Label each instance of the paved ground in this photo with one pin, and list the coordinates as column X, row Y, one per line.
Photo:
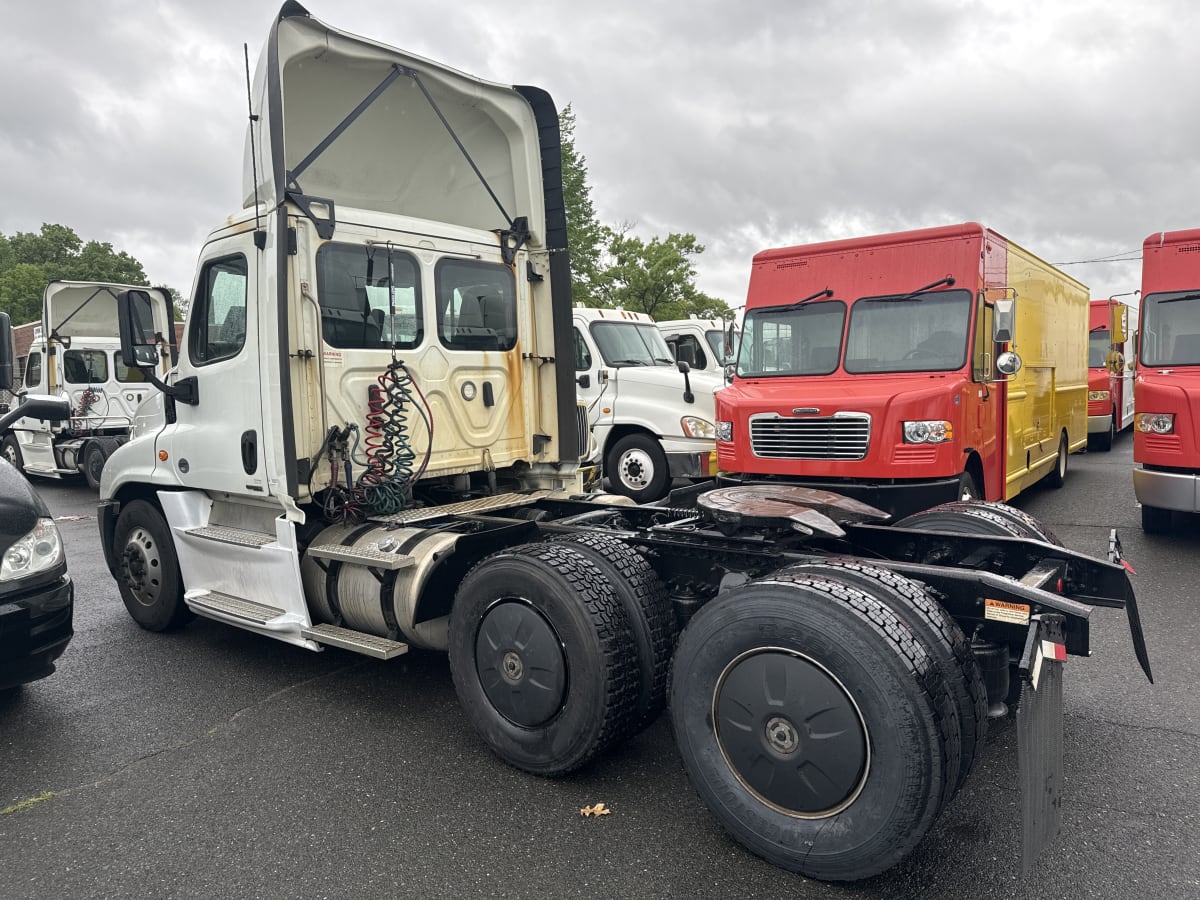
column 216, row 763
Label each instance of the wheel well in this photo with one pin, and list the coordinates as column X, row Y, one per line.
column 619, row 431
column 974, row 468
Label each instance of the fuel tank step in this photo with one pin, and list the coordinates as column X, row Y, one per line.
column 206, row 602
column 363, row 556
column 357, row 641
column 225, row 535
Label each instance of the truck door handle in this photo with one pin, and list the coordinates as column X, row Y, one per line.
column 250, row 452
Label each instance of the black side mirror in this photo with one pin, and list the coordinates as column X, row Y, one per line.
column 688, row 396
column 584, row 380
column 140, row 342
column 37, row 406
column 6, row 353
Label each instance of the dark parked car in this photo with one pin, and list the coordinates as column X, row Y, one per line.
column 37, row 598
column 36, row 594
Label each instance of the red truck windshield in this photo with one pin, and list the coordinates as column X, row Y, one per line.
column 922, row 333
column 1171, row 329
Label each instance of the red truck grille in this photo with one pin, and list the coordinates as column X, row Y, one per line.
column 842, row 436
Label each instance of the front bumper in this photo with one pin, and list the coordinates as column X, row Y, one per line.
column 35, row 628
column 1099, row 424
column 1167, row 490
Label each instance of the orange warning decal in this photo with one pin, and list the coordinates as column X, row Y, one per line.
column 1003, row 611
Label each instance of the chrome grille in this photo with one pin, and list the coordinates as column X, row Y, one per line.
column 841, row 436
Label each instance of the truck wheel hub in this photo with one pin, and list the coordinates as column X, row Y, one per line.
column 520, row 663
column 782, row 736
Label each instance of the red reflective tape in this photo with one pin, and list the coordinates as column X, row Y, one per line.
column 1130, row 569
column 1051, row 650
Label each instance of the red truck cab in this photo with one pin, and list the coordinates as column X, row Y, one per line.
column 886, row 368
column 1166, row 440
column 1110, row 378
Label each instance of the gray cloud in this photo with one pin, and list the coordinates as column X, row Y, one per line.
column 1065, row 126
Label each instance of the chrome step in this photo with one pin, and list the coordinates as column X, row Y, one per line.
column 358, row 641
column 248, row 610
column 363, row 556
column 226, row 535
column 466, row 507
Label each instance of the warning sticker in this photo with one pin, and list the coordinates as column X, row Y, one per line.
column 1003, row 611
column 333, row 357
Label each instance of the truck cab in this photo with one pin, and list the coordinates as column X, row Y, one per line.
column 37, row 596
column 651, row 414
column 1112, row 335
column 76, row 355
column 907, row 370
column 1166, row 438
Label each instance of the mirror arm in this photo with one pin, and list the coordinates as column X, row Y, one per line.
column 186, row 390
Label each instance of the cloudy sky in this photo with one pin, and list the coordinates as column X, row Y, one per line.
column 1070, row 127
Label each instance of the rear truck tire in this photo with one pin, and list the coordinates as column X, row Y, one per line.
column 12, row 452
column 542, row 657
column 1155, row 519
column 963, row 516
column 148, row 568
column 1058, row 475
column 93, row 465
column 637, row 468
column 648, row 609
column 808, row 718
column 1104, row 440
column 943, row 639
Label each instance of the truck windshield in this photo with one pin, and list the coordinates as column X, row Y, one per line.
column 798, row 340
column 1171, row 329
column 1098, row 348
column 631, row 344
column 925, row 333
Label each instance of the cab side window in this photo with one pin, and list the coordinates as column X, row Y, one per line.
column 688, row 349
column 583, row 356
column 33, row 369
column 218, row 313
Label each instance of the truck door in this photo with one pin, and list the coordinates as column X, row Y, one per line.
column 216, row 444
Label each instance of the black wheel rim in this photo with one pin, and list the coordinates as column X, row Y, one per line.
column 520, row 662
column 141, row 565
column 791, row 733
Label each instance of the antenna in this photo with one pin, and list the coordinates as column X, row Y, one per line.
column 260, row 236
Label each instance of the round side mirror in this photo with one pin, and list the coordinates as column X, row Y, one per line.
column 1008, row 363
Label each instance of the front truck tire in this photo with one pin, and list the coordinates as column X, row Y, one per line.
column 542, row 657
column 1058, row 475
column 12, row 452
column 637, row 468
column 148, row 569
column 808, row 718
column 93, row 465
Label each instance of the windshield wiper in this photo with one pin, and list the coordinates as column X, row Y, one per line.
column 948, row 281
column 664, row 359
column 795, row 303
column 1180, row 299
column 629, row 362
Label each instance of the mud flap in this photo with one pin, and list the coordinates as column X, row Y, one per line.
column 1040, row 735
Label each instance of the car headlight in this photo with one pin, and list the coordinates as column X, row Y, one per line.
column 697, row 428
column 1155, row 423
column 1098, row 395
column 931, row 431
column 724, row 431
column 38, row 551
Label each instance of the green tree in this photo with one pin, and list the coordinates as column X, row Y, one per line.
column 610, row 267
column 29, row 261
column 656, row 277
column 585, row 235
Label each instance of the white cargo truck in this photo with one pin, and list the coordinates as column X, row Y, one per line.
column 369, row 440
column 707, row 345
column 75, row 355
column 651, row 416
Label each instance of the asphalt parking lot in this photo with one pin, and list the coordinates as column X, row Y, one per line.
column 212, row 762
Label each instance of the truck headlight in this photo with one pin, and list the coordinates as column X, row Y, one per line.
column 38, row 551
column 1155, row 423
column 1098, row 395
column 697, row 428
column 725, row 431
column 928, row 431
